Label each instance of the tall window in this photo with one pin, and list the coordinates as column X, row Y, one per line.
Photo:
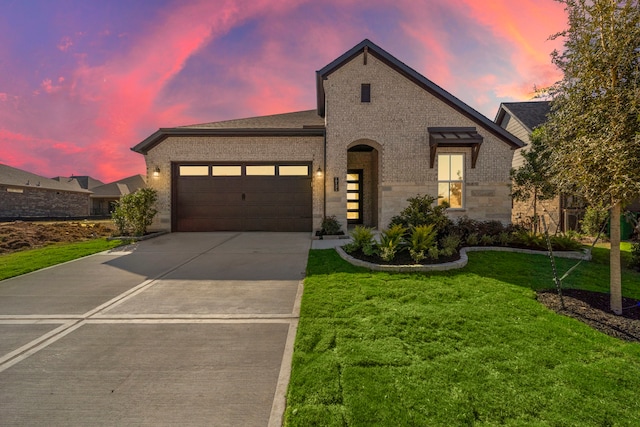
column 365, row 92
column 451, row 179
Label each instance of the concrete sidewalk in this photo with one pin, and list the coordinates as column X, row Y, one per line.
column 184, row 329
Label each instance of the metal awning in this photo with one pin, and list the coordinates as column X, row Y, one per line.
column 454, row 137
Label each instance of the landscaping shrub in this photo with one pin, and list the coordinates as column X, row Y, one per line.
column 362, row 239
column 564, row 242
column 134, row 212
column 530, row 240
column 472, row 239
column 593, row 220
column 422, row 210
column 635, row 256
column 486, row 240
column 390, row 241
column 331, row 226
column 449, row 244
column 505, row 238
column 422, row 238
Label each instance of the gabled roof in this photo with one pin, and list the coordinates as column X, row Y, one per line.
column 14, row 177
column 85, row 181
column 530, row 114
column 119, row 188
column 415, row 77
column 301, row 123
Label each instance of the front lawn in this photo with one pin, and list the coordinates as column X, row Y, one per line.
column 466, row 347
column 17, row 263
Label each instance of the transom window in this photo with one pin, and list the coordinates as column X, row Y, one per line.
column 451, row 180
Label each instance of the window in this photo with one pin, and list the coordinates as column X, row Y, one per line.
column 263, row 170
column 293, row 170
column 226, row 170
column 365, row 92
column 194, row 170
column 451, row 180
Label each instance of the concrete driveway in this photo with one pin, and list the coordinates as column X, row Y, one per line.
column 188, row 329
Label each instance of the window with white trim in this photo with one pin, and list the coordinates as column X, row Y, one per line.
column 451, row 180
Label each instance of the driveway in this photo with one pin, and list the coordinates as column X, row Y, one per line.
column 185, row 329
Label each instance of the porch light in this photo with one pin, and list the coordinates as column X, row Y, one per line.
column 156, row 172
column 319, row 172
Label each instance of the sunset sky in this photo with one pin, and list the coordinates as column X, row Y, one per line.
column 83, row 81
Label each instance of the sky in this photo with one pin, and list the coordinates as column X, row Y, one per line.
column 83, row 81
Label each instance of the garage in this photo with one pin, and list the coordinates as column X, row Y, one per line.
column 241, row 197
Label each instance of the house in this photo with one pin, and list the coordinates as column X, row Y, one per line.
column 27, row 195
column 380, row 133
column 103, row 196
column 561, row 213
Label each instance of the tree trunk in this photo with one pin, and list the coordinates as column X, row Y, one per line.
column 614, row 261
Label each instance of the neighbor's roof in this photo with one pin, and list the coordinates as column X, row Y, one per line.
column 14, row 177
column 417, row 78
column 84, row 181
column 119, row 188
column 530, row 114
column 301, row 123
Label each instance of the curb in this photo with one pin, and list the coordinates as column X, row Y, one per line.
column 138, row 238
column 422, row 268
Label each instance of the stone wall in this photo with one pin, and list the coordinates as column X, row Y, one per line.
column 32, row 202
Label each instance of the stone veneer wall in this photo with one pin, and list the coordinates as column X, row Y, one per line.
column 240, row 149
column 397, row 119
column 35, row 202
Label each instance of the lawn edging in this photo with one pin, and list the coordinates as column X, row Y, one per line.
column 460, row 263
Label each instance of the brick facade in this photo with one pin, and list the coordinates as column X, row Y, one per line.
column 33, row 202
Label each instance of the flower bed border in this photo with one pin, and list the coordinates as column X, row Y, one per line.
column 460, row 263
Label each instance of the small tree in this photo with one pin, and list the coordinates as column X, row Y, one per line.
column 533, row 180
column 135, row 212
column 593, row 124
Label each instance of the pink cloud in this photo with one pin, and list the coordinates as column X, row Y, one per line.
column 65, row 43
column 524, row 27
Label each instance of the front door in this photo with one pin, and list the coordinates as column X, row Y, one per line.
column 354, row 196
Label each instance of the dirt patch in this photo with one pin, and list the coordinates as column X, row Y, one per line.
column 593, row 309
column 19, row 235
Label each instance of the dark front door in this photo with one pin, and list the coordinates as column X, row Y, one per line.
column 354, row 196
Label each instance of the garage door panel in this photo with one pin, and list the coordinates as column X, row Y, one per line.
column 237, row 203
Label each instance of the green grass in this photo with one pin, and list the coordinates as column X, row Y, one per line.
column 467, row 347
column 22, row 262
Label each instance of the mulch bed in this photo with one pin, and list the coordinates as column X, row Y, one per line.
column 593, row 309
column 402, row 258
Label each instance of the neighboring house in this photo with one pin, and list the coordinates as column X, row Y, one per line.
column 27, row 195
column 103, row 196
column 561, row 213
column 380, row 133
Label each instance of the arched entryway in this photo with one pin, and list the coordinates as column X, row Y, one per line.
column 363, row 177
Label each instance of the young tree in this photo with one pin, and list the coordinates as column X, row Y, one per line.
column 533, row 180
column 593, row 124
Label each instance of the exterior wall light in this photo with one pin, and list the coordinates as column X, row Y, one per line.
column 319, row 172
column 156, row 172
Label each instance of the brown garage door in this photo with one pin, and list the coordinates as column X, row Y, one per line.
column 242, row 197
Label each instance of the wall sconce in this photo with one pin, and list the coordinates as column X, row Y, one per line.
column 319, row 172
column 156, row 172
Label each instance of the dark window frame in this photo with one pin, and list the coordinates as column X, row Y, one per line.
column 365, row 93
